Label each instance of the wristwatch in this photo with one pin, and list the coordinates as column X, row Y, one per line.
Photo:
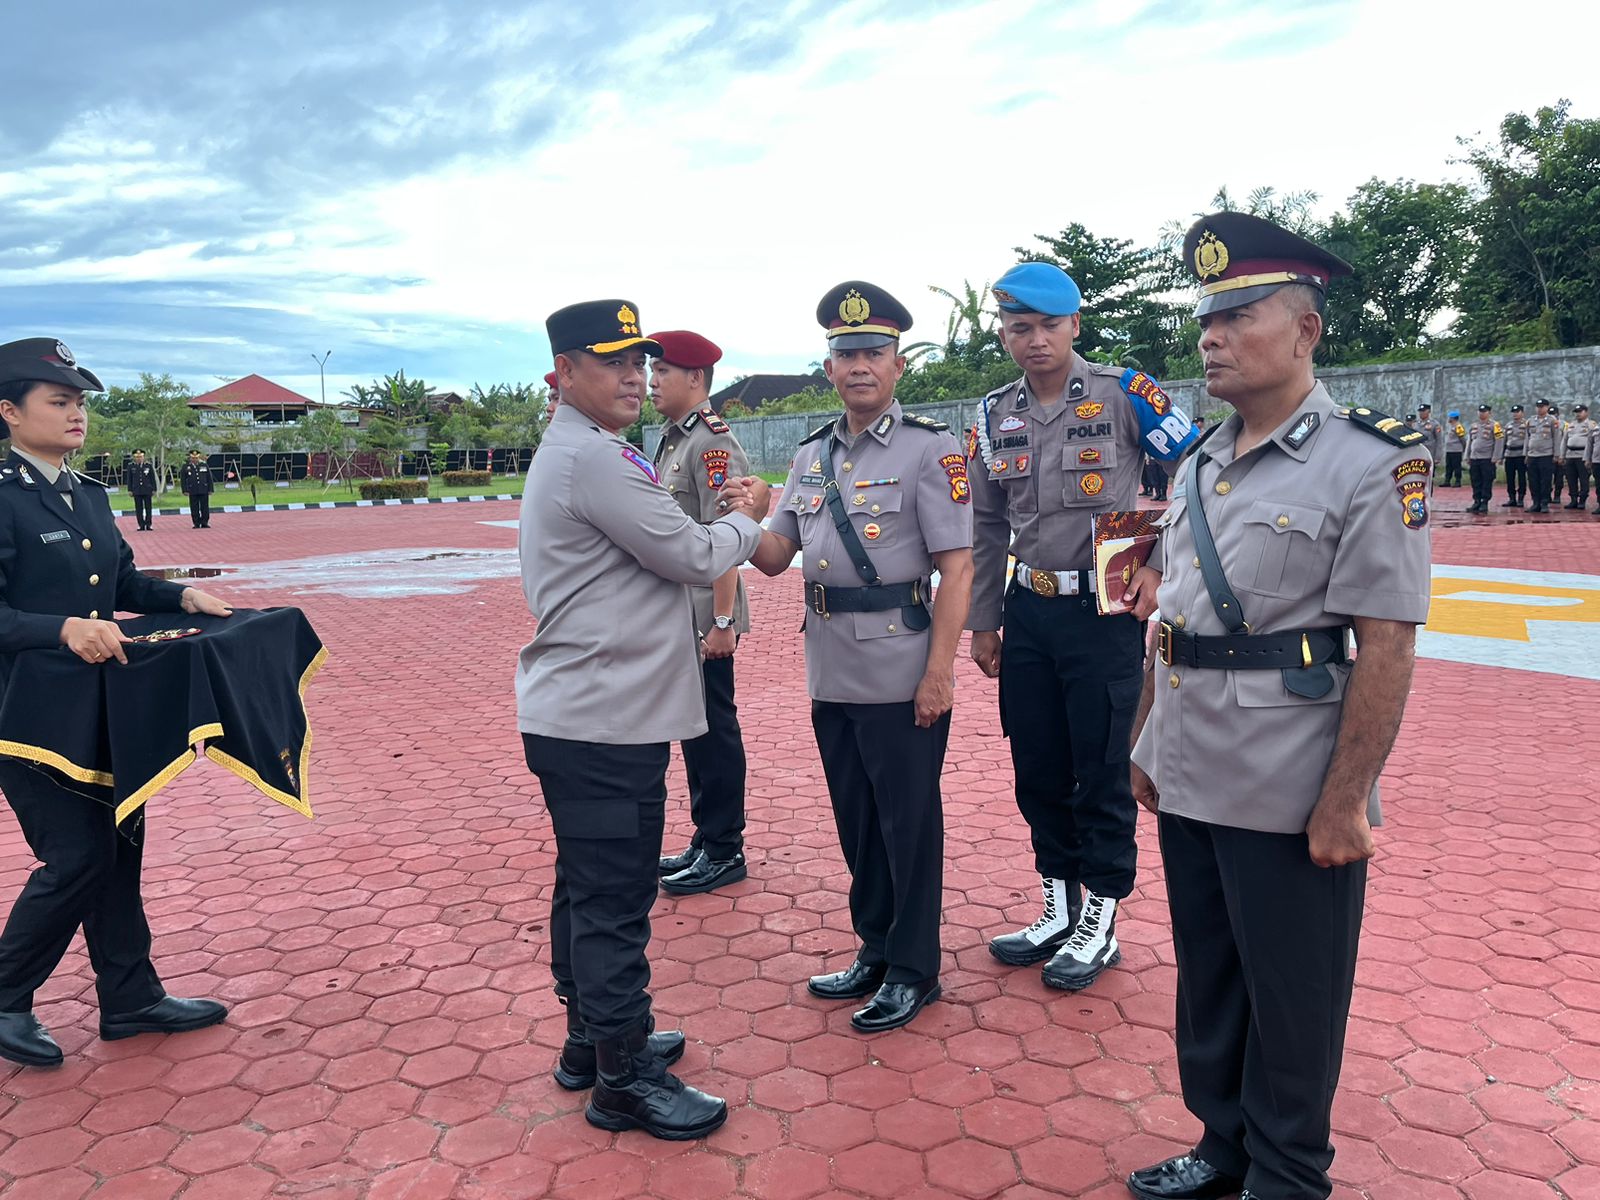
column 723, row 622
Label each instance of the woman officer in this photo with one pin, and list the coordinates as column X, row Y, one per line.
column 64, row 571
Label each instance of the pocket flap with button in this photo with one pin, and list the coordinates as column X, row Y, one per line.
column 1265, row 689
column 1282, row 516
column 1089, row 456
column 885, row 624
column 875, row 501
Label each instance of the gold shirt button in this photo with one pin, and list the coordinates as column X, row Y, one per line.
column 87, row 544
column 849, row 466
column 891, row 629
column 1224, row 487
column 1179, row 621
column 674, row 467
column 875, row 507
column 1283, row 522
column 94, row 614
column 1172, row 681
column 93, row 579
column 1197, row 560
column 823, row 563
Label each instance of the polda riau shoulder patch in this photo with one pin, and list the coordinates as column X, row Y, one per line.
column 1382, row 425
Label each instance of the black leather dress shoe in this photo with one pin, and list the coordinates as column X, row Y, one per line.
column 23, row 1040
column 860, row 980
column 671, row 864
column 1183, row 1178
column 895, row 1005
column 170, row 1014
column 705, row 874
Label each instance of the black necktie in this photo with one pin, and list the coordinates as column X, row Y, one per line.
column 64, row 486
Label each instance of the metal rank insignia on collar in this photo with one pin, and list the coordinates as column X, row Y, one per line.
column 884, row 425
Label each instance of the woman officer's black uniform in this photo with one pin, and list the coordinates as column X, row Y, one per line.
column 60, row 560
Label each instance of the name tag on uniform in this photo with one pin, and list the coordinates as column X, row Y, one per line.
column 60, row 535
column 812, row 480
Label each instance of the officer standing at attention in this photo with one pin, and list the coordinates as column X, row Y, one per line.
column 64, row 572
column 139, row 477
column 1432, row 431
column 876, row 501
column 1455, row 445
column 1483, row 447
column 1543, row 430
column 1305, row 519
column 196, row 480
column 1594, row 461
column 1576, row 456
column 1050, row 450
column 1514, row 453
column 695, row 458
column 1558, row 477
column 611, row 677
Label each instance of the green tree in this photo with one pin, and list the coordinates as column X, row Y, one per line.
column 158, row 420
column 403, row 400
column 463, row 429
column 386, row 438
column 1408, row 243
column 972, row 333
column 321, row 431
column 1535, row 279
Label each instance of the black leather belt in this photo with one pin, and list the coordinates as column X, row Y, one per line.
column 878, row 598
column 1291, row 649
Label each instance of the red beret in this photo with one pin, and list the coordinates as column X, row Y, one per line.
column 687, row 350
column 550, row 380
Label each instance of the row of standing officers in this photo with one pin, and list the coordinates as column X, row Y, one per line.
column 1540, row 454
column 1321, row 527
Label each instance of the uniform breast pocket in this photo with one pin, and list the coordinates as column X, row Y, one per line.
column 1086, row 472
column 1280, row 547
column 888, row 624
column 1014, row 472
column 877, row 517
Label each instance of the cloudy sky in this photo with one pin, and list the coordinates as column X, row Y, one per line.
column 213, row 189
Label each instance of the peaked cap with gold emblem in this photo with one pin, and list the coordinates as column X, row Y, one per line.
column 857, row 315
column 1239, row 258
column 598, row 326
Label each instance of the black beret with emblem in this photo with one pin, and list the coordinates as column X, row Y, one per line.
column 598, row 326
column 45, row 360
column 1516, row 408
column 857, row 315
column 1239, row 258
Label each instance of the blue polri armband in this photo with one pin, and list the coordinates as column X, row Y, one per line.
column 1165, row 430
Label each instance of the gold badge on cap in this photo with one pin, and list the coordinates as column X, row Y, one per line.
column 854, row 308
column 628, row 319
column 1210, row 256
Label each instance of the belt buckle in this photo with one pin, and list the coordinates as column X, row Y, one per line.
column 1044, row 583
column 1164, row 644
column 819, row 599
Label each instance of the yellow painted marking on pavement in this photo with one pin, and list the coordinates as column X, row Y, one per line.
column 1506, row 620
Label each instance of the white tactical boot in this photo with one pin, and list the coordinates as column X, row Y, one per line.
column 1091, row 948
column 1039, row 941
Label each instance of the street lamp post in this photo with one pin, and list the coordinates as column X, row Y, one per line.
column 321, row 378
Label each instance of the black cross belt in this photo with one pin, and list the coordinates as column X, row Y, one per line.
column 1253, row 651
column 878, row 598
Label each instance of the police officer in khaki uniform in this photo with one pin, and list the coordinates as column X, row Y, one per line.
column 1455, row 445
column 1432, row 431
column 1483, row 447
column 611, row 677
column 1576, row 456
column 876, row 502
column 1558, row 478
column 1049, row 451
column 1514, row 454
column 1594, row 462
column 1543, row 430
column 1305, row 519
column 695, row 458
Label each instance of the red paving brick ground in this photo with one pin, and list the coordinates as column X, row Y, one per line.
column 393, row 1028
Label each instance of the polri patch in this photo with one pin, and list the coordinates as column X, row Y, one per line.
column 955, row 468
column 716, row 464
column 1411, row 480
column 1092, row 484
column 59, row 535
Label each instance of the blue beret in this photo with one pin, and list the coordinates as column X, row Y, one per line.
column 1037, row 287
column 1454, row 413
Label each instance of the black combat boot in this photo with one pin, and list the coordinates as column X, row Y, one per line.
column 636, row 1091
column 575, row 1069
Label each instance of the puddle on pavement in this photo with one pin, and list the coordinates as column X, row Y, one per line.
column 377, row 574
column 184, row 572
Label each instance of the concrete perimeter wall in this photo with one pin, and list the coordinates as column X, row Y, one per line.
column 1564, row 377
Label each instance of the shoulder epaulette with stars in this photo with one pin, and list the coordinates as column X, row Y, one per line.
column 922, row 422
column 1381, row 425
column 7, row 474
column 819, row 431
column 714, row 422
